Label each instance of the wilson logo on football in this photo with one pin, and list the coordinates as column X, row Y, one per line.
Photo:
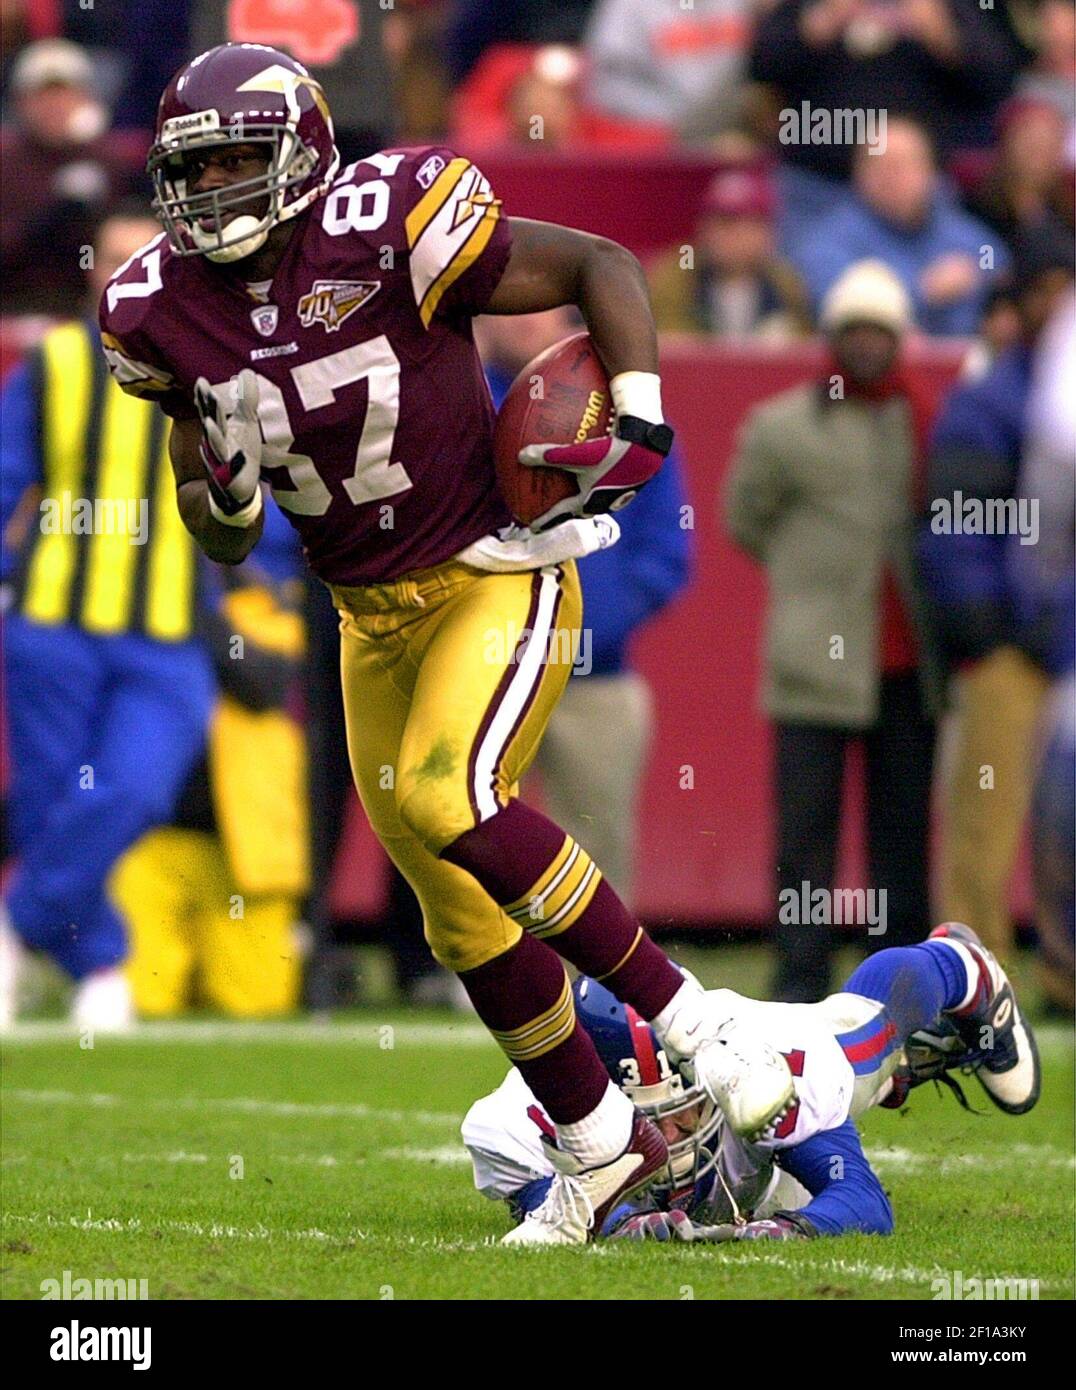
column 330, row 302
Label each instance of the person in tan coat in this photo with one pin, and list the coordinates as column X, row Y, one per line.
column 822, row 494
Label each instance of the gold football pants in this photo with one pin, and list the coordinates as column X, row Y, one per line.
column 180, row 899
column 450, row 676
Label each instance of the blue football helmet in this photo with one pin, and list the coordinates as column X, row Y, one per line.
column 635, row 1060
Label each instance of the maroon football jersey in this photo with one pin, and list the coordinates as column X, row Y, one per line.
column 374, row 409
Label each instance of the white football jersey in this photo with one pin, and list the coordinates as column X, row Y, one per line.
column 503, row 1134
column 842, row 1054
column 829, row 1088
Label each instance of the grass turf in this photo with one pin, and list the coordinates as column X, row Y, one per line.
column 307, row 1161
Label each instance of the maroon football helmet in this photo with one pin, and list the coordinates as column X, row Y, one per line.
column 240, row 93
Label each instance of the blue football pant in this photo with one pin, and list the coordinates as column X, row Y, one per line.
column 103, row 732
column 913, row 983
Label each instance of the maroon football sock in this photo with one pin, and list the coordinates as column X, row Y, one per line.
column 523, row 999
column 509, row 853
column 595, row 944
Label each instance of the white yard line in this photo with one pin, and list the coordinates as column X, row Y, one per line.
column 1057, row 1039
column 252, row 1105
column 304, row 1031
column 882, row 1273
column 1012, row 1155
column 731, row 1258
column 444, row 1156
column 212, row 1230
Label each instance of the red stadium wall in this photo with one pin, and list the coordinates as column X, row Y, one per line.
column 648, row 202
column 704, row 851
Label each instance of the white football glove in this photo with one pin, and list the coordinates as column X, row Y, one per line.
column 517, row 548
column 231, row 446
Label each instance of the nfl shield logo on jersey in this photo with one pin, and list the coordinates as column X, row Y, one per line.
column 264, row 319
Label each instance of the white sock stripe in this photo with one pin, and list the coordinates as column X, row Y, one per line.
column 971, row 969
column 565, row 1002
column 559, row 877
column 541, row 925
column 545, row 1044
column 525, row 913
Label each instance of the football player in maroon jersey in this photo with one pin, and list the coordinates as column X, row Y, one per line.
column 311, row 328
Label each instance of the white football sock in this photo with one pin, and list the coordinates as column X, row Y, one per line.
column 971, row 970
column 602, row 1135
column 683, row 997
column 11, row 953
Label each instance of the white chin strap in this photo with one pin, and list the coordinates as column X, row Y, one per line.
column 249, row 235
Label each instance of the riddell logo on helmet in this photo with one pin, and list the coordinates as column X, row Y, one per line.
column 184, row 125
column 595, row 401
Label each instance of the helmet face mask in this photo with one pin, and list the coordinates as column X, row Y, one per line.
column 206, row 108
column 699, row 1119
column 637, row 1063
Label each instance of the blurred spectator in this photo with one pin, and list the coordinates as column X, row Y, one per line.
column 950, row 62
column 342, row 43
column 661, row 64
column 593, row 755
column 731, row 282
column 16, row 30
column 330, row 789
column 1053, row 812
column 822, row 492
column 413, row 41
column 532, row 97
column 901, row 214
column 135, row 47
column 1045, row 577
column 475, row 26
column 212, row 898
column 1065, row 198
column 524, row 96
column 1001, row 658
column 1018, row 190
column 543, row 103
column 107, row 686
column 999, row 329
column 62, row 168
column 1052, row 76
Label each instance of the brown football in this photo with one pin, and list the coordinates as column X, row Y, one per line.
column 561, row 397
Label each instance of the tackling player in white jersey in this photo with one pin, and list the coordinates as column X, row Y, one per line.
column 905, row 1016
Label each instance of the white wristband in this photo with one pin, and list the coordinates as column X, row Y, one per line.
column 638, row 393
column 243, row 518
